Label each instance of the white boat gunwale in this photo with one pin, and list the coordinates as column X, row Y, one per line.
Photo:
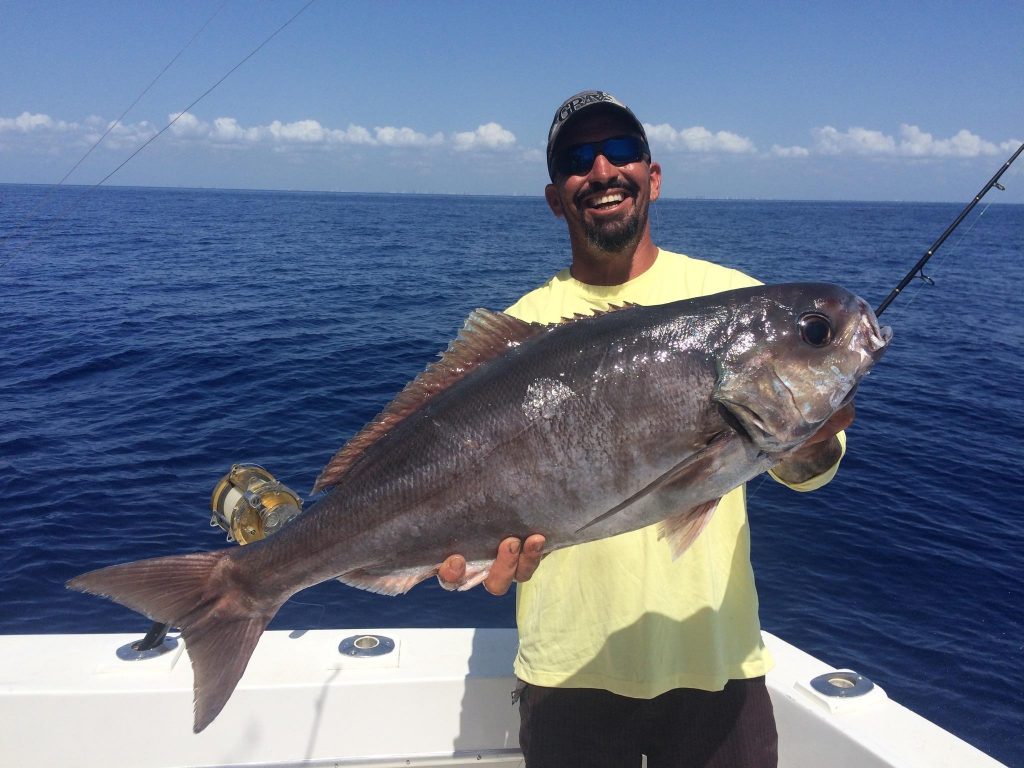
column 441, row 697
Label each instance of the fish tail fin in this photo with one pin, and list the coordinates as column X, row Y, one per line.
column 204, row 596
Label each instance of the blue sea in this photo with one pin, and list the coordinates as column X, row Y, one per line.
column 150, row 338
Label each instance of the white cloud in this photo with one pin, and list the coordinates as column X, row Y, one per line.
column 790, row 151
column 299, row 132
column 698, row 139
column 354, row 134
column 36, row 132
column 187, row 124
column 405, row 137
column 227, row 129
column 962, row 144
column 830, row 141
column 27, row 122
column 911, row 142
column 487, row 136
column 130, row 135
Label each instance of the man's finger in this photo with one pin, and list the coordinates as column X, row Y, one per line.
column 533, row 551
column 503, row 569
column 452, row 572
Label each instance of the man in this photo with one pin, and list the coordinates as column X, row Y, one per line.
column 623, row 650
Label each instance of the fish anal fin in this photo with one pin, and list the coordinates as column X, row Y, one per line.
column 485, row 336
column 398, row 582
column 388, row 581
column 683, row 529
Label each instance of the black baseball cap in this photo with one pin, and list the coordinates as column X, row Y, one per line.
column 576, row 105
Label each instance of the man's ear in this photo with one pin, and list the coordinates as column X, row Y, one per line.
column 554, row 201
column 655, row 173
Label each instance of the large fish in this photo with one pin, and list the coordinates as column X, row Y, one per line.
column 578, row 431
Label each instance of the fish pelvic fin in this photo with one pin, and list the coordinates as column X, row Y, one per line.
column 683, row 529
column 200, row 594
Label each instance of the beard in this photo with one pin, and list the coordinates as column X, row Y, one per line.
column 613, row 236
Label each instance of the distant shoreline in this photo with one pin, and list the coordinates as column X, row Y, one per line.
column 340, row 193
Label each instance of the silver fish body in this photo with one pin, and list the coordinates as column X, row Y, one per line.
column 578, row 431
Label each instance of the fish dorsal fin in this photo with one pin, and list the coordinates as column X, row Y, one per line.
column 486, row 335
column 598, row 312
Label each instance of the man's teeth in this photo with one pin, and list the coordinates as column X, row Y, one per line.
column 609, row 199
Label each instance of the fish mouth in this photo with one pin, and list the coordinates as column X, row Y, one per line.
column 877, row 336
column 849, row 396
column 885, row 335
column 748, row 424
column 876, row 340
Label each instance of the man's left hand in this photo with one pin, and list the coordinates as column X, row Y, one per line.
column 821, row 451
column 515, row 561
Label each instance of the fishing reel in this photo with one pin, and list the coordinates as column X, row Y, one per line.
column 250, row 504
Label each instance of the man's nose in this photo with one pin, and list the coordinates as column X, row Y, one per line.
column 603, row 168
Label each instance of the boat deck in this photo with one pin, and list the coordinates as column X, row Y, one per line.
column 439, row 697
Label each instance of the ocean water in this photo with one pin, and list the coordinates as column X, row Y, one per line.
column 149, row 339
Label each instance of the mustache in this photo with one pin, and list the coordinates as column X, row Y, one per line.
column 596, row 187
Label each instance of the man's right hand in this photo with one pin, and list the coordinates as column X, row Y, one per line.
column 515, row 561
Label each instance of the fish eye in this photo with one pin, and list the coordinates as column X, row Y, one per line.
column 815, row 329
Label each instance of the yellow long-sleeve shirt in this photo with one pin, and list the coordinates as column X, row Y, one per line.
column 619, row 614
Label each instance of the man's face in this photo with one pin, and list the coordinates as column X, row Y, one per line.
column 607, row 206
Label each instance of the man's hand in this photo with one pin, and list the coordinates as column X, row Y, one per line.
column 820, row 452
column 839, row 421
column 510, row 564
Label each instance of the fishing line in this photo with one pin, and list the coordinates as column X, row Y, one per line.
column 918, row 269
column 67, row 209
column 206, row 93
column 139, row 97
column 54, row 187
column 953, row 250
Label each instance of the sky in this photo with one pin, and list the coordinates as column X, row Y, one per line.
column 825, row 100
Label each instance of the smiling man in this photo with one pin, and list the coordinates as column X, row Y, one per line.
column 624, row 651
column 606, row 206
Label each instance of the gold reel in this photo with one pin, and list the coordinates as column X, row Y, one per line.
column 250, row 504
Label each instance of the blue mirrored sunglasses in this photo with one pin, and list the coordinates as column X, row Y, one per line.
column 619, row 150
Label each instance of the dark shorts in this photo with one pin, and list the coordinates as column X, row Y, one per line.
column 683, row 728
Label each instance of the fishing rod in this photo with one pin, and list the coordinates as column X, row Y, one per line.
column 917, row 271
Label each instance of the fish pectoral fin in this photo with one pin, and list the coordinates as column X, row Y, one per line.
column 690, row 469
column 683, row 529
column 388, row 581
